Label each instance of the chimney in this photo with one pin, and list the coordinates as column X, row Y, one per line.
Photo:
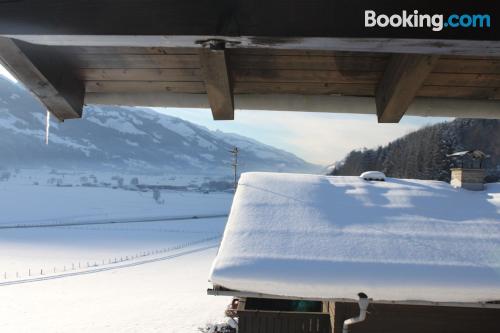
column 470, row 173
column 469, row 179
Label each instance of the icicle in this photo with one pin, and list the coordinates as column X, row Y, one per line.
column 47, row 127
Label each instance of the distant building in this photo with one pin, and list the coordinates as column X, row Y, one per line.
column 469, row 173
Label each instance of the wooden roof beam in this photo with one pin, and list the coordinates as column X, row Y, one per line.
column 403, row 77
column 45, row 74
column 214, row 68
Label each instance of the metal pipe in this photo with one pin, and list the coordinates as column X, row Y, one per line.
column 363, row 305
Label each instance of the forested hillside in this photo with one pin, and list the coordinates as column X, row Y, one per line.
column 422, row 154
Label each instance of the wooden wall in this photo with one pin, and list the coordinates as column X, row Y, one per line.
column 393, row 318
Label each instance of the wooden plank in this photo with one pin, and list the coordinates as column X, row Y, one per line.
column 243, row 323
column 253, row 323
column 394, row 318
column 197, row 87
column 460, row 92
column 189, row 75
column 464, row 65
column 144, row 87
column 476, row 48
column 350, row 89
column 126, row 50
column 325, row 324
column 306, row 88
column 333, row 62
column 237, row 75
column 278, row 323
column 136, row 61
column 217, row 83
column 269, row 323
column 353, row 62
column 400, row 83
column 46, row 75
column 247, row 51
column 458, row 79
column 286, row 325
column 300, row 76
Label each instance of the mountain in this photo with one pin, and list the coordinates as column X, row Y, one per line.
column 127, row 139
column 422, row 154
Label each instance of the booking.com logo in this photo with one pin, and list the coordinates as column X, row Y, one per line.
column 436, row 21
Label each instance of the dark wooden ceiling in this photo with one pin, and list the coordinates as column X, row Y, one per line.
column 230, row 50
column 263, row 71
column 61, row 76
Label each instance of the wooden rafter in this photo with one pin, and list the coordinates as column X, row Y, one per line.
column 403, row 77
column 46, row 75
column 261, row 78
column 214, row 68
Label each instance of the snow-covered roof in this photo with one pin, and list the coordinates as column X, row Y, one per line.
column 373, row 175
column 332, row 237
column 474, row 153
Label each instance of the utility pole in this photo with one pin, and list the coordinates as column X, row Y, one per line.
column 235, row 152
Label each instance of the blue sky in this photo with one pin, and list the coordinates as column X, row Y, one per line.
column 321, row 138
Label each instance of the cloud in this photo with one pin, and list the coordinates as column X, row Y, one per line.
column 325, row 138
column 320, row 138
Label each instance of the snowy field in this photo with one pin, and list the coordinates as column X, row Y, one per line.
column 120, row 277
column 44, row 176
column 28, row 204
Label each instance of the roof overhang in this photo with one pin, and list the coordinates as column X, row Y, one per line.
column 300, row 56
column 219, row 291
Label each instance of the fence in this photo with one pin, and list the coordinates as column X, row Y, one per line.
column 84, row 265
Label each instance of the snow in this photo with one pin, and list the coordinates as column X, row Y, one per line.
column 176, row 126
column 209, row 157
column 160, row 286
column 135, row 164
column 333, row 237
column 75, row 204
column 186, row 130
column 160, row 296
column 86, row 149
column 8, row 121
column 131, row 143
column 194, row 161
column 116, row 121
column 18, row 125
column 206, row 144
column 373, row 175
column 248, row 144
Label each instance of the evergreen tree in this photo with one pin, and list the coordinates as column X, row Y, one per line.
column 422, row 154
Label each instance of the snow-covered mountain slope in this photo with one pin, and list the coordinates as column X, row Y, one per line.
column 127, row 139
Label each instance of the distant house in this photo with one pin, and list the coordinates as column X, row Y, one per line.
column 308, row 253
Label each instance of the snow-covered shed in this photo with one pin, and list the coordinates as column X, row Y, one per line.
column 327, row 238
